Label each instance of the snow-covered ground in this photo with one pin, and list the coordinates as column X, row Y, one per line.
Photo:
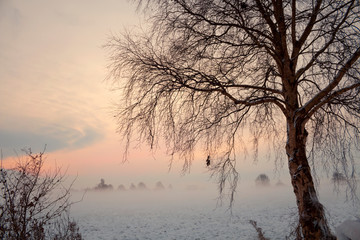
column 195, row 214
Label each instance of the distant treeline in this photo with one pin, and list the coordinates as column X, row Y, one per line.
column 102, row 186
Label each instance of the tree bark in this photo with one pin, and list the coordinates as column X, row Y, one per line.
column 312, row 220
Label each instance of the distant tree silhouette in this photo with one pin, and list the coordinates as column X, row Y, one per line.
column 339, row 180
column 103, row 186
column 338, row 177
column 159, row 186
column 286, row 70
column 262, row 180
column 141, row 186
column 132, row 186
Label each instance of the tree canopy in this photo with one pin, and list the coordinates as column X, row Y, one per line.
column 285, row 69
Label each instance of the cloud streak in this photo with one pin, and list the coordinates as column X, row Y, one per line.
column 51, row 73
column 55, row 138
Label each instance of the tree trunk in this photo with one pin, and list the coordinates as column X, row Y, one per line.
column 312, row 220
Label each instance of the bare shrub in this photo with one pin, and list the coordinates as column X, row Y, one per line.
column 66, row 229
column 33, row 201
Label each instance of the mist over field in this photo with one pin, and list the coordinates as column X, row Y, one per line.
column 212, row 83
column 195, row 212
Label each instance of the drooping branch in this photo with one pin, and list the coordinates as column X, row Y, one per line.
column 305, row 34
column 325, row 46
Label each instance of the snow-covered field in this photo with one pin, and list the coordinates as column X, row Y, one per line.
column 184, row 214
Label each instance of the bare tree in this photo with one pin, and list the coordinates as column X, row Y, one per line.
column 34, row 204
column 285, row 69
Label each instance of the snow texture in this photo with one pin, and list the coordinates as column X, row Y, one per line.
column 182, row 214
column 349, row 230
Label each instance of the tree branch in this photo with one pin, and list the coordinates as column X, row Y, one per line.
column 318, row 98
column 331, row 97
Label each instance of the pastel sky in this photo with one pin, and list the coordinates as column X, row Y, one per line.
column 52, row 91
